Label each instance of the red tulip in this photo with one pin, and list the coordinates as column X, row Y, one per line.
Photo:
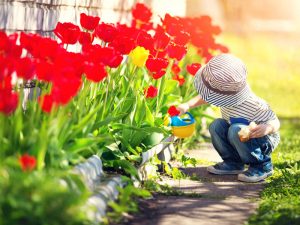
column 41, row 47
column 123, row 44
column 220, row 47
column 106, row 32
column 70, row 61
column 89, row 22
column 141, row 12
column 160, row 54
column 46, row 103
column 28, row 40
column 86, row 38
column 68, row 33
column 175, row 69
column 173, row 111
column 157, row 75
column 161, row 39
column 106, row 55
column 110, row 57
column 181, row 38
column 169, row 20
column 173, row 25
column 176, row 51
column 193, row 68
column 27, row 162
column 207, row 55
column 95, row 72
column 49, row 49
column 151, row 92
column 145, row 40
column 4, row 43
column 7, row 67
column 156, row 64
column 25, row 68
column 179, row 78
column 44, row 70
column 8, row 99
column 8, row 46
column 66, row 85
column 142, row 25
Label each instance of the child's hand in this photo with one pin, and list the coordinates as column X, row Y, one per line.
column 260, row 130
column 183, row 108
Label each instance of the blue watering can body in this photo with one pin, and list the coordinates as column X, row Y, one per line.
column 182, row 126
column 180, row 121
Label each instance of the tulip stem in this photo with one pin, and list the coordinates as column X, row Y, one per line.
column 3, row 126
column 106, row 96
column 187, row 92
column 161, row 87
column 132, row 75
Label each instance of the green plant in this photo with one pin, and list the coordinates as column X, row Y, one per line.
column 127, row 201
column 46, row 197
column 164, row 189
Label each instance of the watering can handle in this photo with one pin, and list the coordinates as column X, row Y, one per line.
column 191, row 118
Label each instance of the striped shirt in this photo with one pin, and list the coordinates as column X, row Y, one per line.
column 252, row 109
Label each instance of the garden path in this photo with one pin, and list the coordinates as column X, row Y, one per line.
column 207, row 199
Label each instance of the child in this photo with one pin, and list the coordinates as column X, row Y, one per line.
column 222, row 82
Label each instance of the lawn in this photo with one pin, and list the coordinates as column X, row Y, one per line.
column 274, row 75
column 273, row 68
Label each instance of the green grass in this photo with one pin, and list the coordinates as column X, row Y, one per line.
column 280, row 201
column 273, row 68
column 274, row 75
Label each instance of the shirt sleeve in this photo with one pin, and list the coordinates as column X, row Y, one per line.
column 264, row 113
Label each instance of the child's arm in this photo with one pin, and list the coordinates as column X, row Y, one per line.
column 264, row 129
column 192, row 103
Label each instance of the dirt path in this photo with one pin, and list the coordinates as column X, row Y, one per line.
column 207, row 199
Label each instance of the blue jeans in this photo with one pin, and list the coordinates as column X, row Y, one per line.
column 255, row 152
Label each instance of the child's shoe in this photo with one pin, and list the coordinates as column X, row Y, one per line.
column 223, row 168
column 253, row 175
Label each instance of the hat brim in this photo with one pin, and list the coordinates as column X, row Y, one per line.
column 218, row 99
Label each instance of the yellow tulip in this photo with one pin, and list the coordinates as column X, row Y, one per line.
column 139, row 56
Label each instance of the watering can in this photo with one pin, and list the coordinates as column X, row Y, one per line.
column 182, row 126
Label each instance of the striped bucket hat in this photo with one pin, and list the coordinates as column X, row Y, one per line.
column 222, row 81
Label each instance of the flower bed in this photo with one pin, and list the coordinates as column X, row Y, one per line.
column 107, row 99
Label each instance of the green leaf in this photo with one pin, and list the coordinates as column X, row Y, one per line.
column 140, row 110
column 109, row 119
column 126, row 166
column 127, row 145
column 112, row 155
column 119, row 126
column 79, row 144
column 171, row 87
column 149, row 116
column 125, row 105
column 136, row 138
column 85, row 120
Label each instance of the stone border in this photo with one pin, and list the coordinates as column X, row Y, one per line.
column 164, row 151
column 105, row 187
column 146, row 156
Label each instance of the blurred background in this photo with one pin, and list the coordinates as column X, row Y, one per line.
column 264, row 34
